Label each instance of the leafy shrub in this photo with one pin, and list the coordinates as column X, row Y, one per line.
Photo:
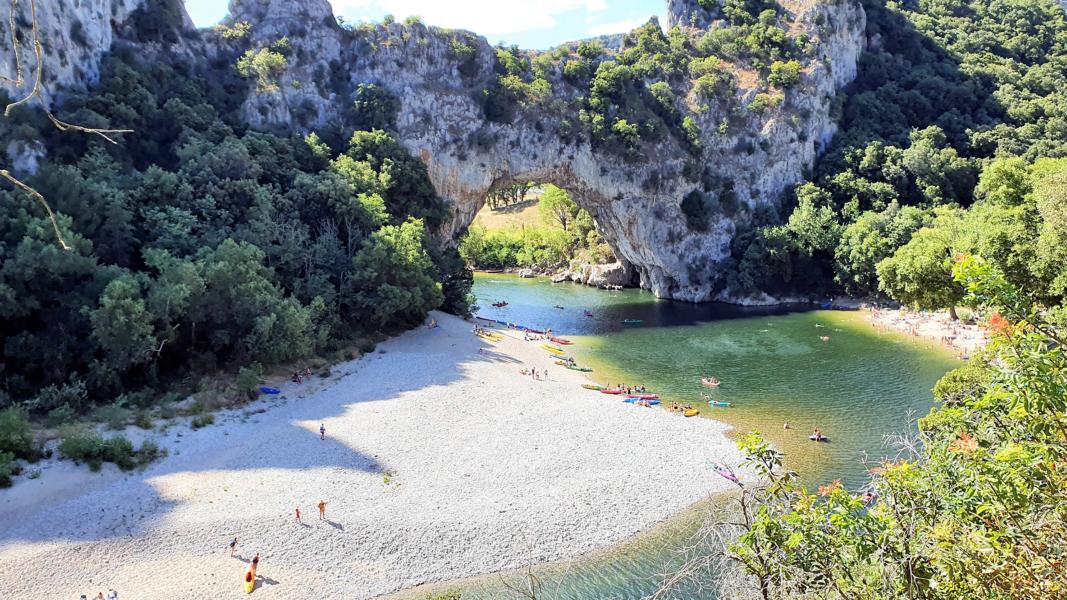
column 202, row 421
column 61, row 416
column 375, row 107
column 16, row 434
column 72, row 395
column 784, row 74
column 115, row 415
column 8, row 468
column 264, row 65
column 248, row 380
column 82, row 445
column 695, row 209
column 764, row 102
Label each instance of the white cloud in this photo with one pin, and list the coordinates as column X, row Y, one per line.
column 617, row 27
column 490, row 17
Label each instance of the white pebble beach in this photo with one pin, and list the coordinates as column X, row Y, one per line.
column 441, row 461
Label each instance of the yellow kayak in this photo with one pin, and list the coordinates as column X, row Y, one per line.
column 250, row 582
column 692, row 412
column 492, row 337
column 553, row 349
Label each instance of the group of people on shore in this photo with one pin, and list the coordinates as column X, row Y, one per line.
column 111, row 595
column 632, row 389
column 253, row 567
column 675, row 407
column 300, row 376
column 535, row 374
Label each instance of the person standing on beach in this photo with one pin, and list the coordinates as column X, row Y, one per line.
column 255, row 564
column 233, row 545
column 322, row 431
column 322, row 510
column 298, row 514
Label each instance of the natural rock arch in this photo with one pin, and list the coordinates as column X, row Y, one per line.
column 635, row 200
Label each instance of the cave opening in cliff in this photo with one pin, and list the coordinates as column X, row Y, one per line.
column 539, row 228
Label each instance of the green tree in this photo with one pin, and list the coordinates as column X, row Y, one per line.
column 557, row 208
column 392, row 274
column 920, row 272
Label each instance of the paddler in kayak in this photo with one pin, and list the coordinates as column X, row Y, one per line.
column 817, row 435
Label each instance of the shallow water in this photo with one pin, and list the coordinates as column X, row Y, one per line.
column 857, row 387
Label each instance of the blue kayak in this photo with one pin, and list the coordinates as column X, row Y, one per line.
column 633, row 400
column 270, row 390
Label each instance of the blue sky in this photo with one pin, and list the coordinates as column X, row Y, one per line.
column 535, row 24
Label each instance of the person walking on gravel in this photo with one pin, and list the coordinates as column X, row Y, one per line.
column 322, row 431
column 233, row 545
column 322, row 510
column 298, row 514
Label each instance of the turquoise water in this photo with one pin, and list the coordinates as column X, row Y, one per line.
column 857, row 387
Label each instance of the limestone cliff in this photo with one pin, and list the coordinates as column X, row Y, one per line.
column 745, row 157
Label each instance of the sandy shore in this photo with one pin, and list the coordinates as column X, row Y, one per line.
column 440, row 462
column 938, row 326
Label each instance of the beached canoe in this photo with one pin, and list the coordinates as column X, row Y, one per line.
column 692, row 412
column 632, row 322
column 270, row 390
column 595, row 388
column 633, row 400
column 551, row 348
column 646, row 396
column 561, row 341
column 250, row 582
column 613, row 392
column 577, row 368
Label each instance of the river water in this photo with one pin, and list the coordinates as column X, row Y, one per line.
column 858, row 386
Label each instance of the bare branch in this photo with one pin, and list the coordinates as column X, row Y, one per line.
column 37, row 197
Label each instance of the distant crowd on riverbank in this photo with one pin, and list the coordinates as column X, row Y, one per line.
column 962, row 337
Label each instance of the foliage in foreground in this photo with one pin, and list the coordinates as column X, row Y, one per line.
column 976, row 507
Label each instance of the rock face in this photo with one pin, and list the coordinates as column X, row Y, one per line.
column 74, row 35
column 635, row 200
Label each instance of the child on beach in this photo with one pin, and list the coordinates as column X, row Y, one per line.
column 233, row 545
column 322, row 510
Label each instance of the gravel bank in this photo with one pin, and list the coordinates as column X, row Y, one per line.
column 440, row 461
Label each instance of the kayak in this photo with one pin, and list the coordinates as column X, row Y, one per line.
column 613, row 392
column 270, row 390
column 595, row 388
column 692, row 412
column 577, row 368
column 719, row 403
column 553, row 349
column 561, row 341
column 710, row 382
column 646, row 396
column 821, row 439
column 250, row 582
column 632, row 322
column 636, row 400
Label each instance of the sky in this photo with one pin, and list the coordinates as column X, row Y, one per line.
column 531, row 24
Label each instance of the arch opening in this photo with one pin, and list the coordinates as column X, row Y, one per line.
column 535, row 227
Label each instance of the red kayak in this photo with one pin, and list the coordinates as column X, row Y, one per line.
column 561, row 341
column 613, row 392
column 645, row 396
